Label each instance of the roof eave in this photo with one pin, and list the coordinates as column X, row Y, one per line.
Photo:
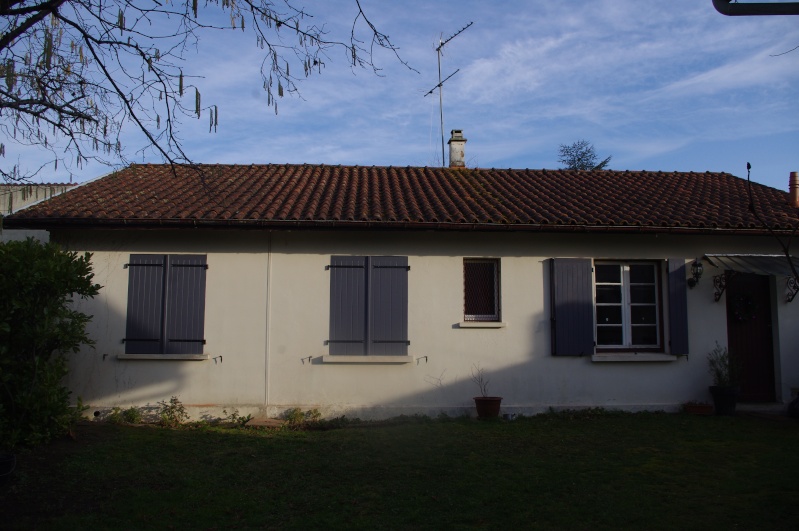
column 123, row 223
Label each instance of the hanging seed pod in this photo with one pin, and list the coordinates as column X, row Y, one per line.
column 180, row 84
column 48, row 49
column 194, row 7
column 197, row 102
column 287, row 69
column 2, row 150
column 279, row 89
column 11, row 77
column 242, row 23
column 158, row 121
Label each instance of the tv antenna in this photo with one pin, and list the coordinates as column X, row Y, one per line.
column 440, row 86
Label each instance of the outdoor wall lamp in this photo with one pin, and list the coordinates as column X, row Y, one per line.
column 696, row 273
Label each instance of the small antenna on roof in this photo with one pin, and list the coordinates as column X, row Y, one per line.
column 441, row 43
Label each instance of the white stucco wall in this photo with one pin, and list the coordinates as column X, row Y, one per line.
column 267, row 312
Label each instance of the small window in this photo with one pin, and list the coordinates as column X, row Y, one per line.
column 628, row 313
column 481, row 289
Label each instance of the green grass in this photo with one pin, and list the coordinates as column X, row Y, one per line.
column 566, row 471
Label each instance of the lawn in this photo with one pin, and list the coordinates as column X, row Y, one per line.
column 560, row 471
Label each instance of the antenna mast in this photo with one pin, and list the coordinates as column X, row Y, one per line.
column 440, row 85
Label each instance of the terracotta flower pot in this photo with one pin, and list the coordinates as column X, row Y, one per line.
column 693, row 408
column 487, row 406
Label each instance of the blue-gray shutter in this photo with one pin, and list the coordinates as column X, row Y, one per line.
column 572, row 307
column 388, row 305
column 145, row 304
column 185, row 307
column 678, row 307
column 347, row 305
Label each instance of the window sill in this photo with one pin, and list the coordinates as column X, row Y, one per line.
column 163, row 357
column 482, row 324
column 371, row 360
column 632, row 356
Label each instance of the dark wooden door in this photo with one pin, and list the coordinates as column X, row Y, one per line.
column 749, row 334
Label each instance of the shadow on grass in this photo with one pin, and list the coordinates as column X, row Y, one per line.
column 566, row 470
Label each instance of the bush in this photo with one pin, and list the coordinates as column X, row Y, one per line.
column 173, row 413
column 38, row 327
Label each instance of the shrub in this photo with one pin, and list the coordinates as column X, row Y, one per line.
column 297, row 419
column 38, row 328
column 173, row 413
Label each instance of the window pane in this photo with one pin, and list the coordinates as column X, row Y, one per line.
column 608, row 314
column 608, row 273
column 642, row 294
column 642, row 315
column 608, row 294
column 642, row 274
column 480, row 288
column 645, row 335
column 608, row 335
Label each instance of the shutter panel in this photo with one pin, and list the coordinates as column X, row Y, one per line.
column 348, row 305
column 678, row 307
column 185, row 317
column 572, row 307
column 145, row 304
column 388, row 306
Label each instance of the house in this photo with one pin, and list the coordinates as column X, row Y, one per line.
column 14, row 197
column 375, row 291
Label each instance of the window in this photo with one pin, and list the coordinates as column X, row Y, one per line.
column 369, row 305
column 481, row 289
column 617, row 306
column 166, row 304
column 627, row 305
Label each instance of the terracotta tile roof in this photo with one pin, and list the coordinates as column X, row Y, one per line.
column 301, row 196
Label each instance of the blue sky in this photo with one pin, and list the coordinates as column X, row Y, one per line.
column 657, row 85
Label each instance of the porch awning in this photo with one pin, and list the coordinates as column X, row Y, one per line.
column 759, row 264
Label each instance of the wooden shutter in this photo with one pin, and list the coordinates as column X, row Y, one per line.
column 678, row 307
column 185, row 308
column 348, row 305
column 572, row 307
column 143, row 334
column 388, row 305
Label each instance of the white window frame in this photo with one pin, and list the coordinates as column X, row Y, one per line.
column 626, row 306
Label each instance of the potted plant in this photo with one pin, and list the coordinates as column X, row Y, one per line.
column 487, row 406
column 698, row 408
column 724, row 370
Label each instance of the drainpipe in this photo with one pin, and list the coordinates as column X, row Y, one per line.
column 268, row 324
column 726, row 7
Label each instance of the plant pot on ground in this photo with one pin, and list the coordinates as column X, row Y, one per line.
column 487, row 406
column 8, row 462
column 698, row 408
column 724, row 370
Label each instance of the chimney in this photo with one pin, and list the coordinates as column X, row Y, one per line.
column 793, row 188
column 457, row 146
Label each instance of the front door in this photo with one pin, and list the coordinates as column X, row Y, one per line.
column 749, row 334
